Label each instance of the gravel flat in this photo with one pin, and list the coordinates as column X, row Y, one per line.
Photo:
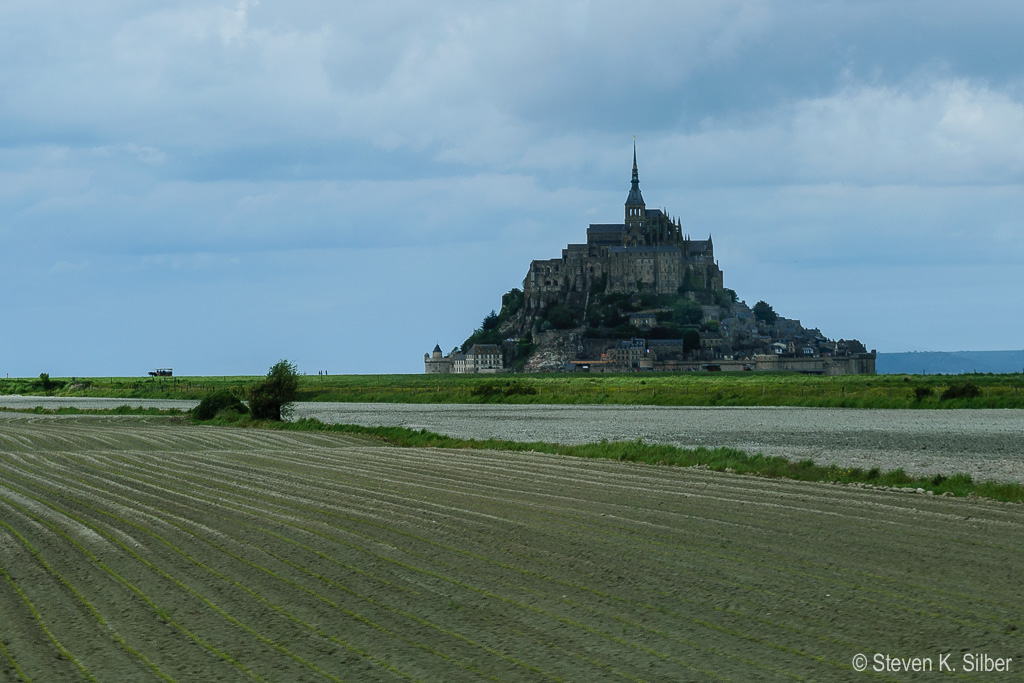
column 988, row 444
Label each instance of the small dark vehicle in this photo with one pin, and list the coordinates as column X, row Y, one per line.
column 161, row 372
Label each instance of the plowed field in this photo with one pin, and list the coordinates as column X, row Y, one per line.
column 135, row 549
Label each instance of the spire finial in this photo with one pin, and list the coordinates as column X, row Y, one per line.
column 636, row 174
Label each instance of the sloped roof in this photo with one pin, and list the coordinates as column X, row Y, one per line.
column 483, row 350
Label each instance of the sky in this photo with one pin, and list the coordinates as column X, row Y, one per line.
column 216, row 185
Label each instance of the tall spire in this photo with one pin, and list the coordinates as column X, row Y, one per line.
column 635, row 198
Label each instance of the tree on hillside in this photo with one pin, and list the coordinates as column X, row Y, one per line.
column 271, row 398
column 561, row 316
column 726, row 297
column 491, row 321
column 687, row 312
column 511, row 302
column 764, row 313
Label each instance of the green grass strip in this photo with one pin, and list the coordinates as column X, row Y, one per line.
column 647, row 388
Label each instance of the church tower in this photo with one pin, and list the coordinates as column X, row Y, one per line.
column 635, row 208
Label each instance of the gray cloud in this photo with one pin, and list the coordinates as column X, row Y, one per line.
column 842, row 153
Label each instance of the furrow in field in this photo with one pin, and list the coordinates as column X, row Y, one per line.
column 332, row 604
column 31, row 651
column 60, row 585
column 912, row 524
column 193, row 608
column 508, row 563
column 424, row 622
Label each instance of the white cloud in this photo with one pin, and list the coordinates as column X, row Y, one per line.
column 236, row 25
column 947, row 132
column 941, row 132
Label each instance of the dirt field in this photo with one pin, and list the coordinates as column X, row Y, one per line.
column 136, row 550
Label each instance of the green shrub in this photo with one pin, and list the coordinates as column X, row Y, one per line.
column 271, row 398
column 512, row 302
column 921, row 393
column 687, row 312
column 964, row 390
column 561, row 316
column 48, row 384
column 488, row 391
column 217, row 402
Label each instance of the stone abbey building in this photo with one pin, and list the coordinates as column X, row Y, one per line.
column 573, row 311
column 647, row 252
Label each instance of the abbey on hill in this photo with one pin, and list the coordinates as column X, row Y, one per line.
column 641, row 295
column 648, row 253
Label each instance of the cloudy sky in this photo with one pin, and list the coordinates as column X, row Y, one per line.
column 214, row 185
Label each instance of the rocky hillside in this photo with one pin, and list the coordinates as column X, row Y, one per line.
column 693, row 325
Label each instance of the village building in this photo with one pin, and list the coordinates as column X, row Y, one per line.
column 436, row 362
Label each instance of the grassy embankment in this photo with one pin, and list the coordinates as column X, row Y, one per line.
column 666, row 389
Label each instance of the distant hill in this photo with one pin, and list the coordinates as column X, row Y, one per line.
column 949, row 362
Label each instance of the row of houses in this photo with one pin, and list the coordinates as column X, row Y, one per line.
column 485, row 358
column 666, row 355
column 739, row 335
